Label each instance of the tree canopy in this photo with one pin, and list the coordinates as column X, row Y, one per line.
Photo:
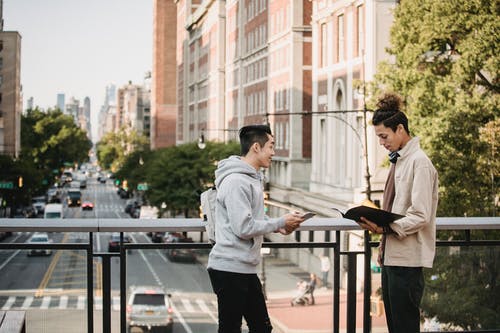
column 445, row 60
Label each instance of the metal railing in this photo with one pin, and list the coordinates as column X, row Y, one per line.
column 188, row 225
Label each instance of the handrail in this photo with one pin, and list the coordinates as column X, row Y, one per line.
column 196, row 224
column 466, row 224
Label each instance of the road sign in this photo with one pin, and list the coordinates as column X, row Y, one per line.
column 142, row 186
column 7, row 185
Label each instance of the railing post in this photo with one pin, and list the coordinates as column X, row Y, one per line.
column 367, row 288
column 90, row 284
column 123, row 286
column 351, row 292
column 336, row 283
column 106, row 293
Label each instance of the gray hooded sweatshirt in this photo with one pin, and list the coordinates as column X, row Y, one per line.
column 240, row 222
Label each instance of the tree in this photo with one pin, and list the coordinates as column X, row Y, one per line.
column 114, row 147
column 48, row 141
column 446, row 59
column 446, row 68
column 177, row 175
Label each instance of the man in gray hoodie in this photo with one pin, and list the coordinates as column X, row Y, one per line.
column 239, row 231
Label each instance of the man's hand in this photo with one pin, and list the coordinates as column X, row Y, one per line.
column 292, row 222
column 370, row 226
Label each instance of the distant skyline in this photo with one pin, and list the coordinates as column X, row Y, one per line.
column 79, row 47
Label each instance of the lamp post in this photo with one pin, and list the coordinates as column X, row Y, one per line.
column 363, row 143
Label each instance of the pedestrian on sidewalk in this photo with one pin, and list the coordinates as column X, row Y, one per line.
column 239, row 228
column 408, row 244
column 325, row 268
column 311, row 286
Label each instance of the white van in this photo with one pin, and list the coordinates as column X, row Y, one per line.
column 53, row 211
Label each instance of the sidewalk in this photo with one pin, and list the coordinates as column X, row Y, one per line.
column 316, row 318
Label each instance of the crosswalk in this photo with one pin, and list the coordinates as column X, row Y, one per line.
column 183, row 304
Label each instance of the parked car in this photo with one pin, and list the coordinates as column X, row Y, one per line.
column 40, row 238
column 87, row 205
column 149, row 310
column 124, row 194
column 131, row 205
column 38, row 204
column 157, row 237
column 114, row 242
column 184, row 255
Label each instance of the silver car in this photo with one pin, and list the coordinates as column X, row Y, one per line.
column 149, row 310
column 40, row 238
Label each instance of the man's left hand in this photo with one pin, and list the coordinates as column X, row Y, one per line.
column 370, row 226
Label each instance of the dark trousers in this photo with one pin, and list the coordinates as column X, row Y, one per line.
column 240, row 296
column 402, row 289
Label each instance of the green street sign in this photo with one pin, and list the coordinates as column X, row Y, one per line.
column 7, row 185
column 142, row 186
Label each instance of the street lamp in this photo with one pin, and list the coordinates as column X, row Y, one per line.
column 201, row 141
column 364, row 144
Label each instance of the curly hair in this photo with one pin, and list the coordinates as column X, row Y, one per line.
column 388, row 112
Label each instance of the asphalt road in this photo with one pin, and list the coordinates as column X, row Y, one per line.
column 58, row 281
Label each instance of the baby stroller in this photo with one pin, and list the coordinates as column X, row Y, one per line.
column 304, row 294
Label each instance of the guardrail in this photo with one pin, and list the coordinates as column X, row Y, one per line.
column 185, row 225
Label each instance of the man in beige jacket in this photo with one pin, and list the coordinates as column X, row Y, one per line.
column 408, row 244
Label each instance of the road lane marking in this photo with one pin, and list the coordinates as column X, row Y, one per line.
column 50, row 270
column 9, row 303
column 116, row 303
column 182, row 321
column 45, row 302
column 9, row 259
column 187, row 305
column 80, row 304
column 203, row 306
column 27, row 302
column 63, row 302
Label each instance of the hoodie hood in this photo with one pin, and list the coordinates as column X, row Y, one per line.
column 234, row 164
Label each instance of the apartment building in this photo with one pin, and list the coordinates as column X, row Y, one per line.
column 163, row 77
column 132, row 108
column 349, row 40
column 10, row 93
column 297, row 66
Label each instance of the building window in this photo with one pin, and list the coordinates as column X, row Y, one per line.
column 341, row 38
column 324, row 44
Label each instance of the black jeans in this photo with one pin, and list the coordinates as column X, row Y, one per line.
column 238, row 296
column 402, row 289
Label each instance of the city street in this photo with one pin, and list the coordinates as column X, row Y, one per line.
column 56, row 284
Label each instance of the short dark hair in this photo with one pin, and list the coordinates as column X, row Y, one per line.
column 253, row 133
column 388, row 112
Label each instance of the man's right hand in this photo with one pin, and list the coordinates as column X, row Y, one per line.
column 292, row 222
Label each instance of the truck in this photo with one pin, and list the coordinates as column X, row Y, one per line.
column 53, row 211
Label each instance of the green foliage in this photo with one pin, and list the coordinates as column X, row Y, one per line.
column 51, row 139
column 114, row 147
column 11, row 170
column 446, row 59
column 463, row 288
column 48, row 140
column 446, row 68
column 177, row 175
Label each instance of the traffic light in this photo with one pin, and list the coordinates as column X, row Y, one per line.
column 20, row 181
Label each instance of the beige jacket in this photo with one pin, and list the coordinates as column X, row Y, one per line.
column 416, row 184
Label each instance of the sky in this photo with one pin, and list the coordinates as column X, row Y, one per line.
column 78, row 47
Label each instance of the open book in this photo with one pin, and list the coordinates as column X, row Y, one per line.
column 381, row 217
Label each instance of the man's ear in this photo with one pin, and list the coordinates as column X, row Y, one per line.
column 255, row 147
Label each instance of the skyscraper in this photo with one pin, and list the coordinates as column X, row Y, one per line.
column 60, row 101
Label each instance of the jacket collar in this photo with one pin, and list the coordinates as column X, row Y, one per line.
column 410, row 147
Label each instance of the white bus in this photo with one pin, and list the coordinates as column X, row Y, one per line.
column 53, row 211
